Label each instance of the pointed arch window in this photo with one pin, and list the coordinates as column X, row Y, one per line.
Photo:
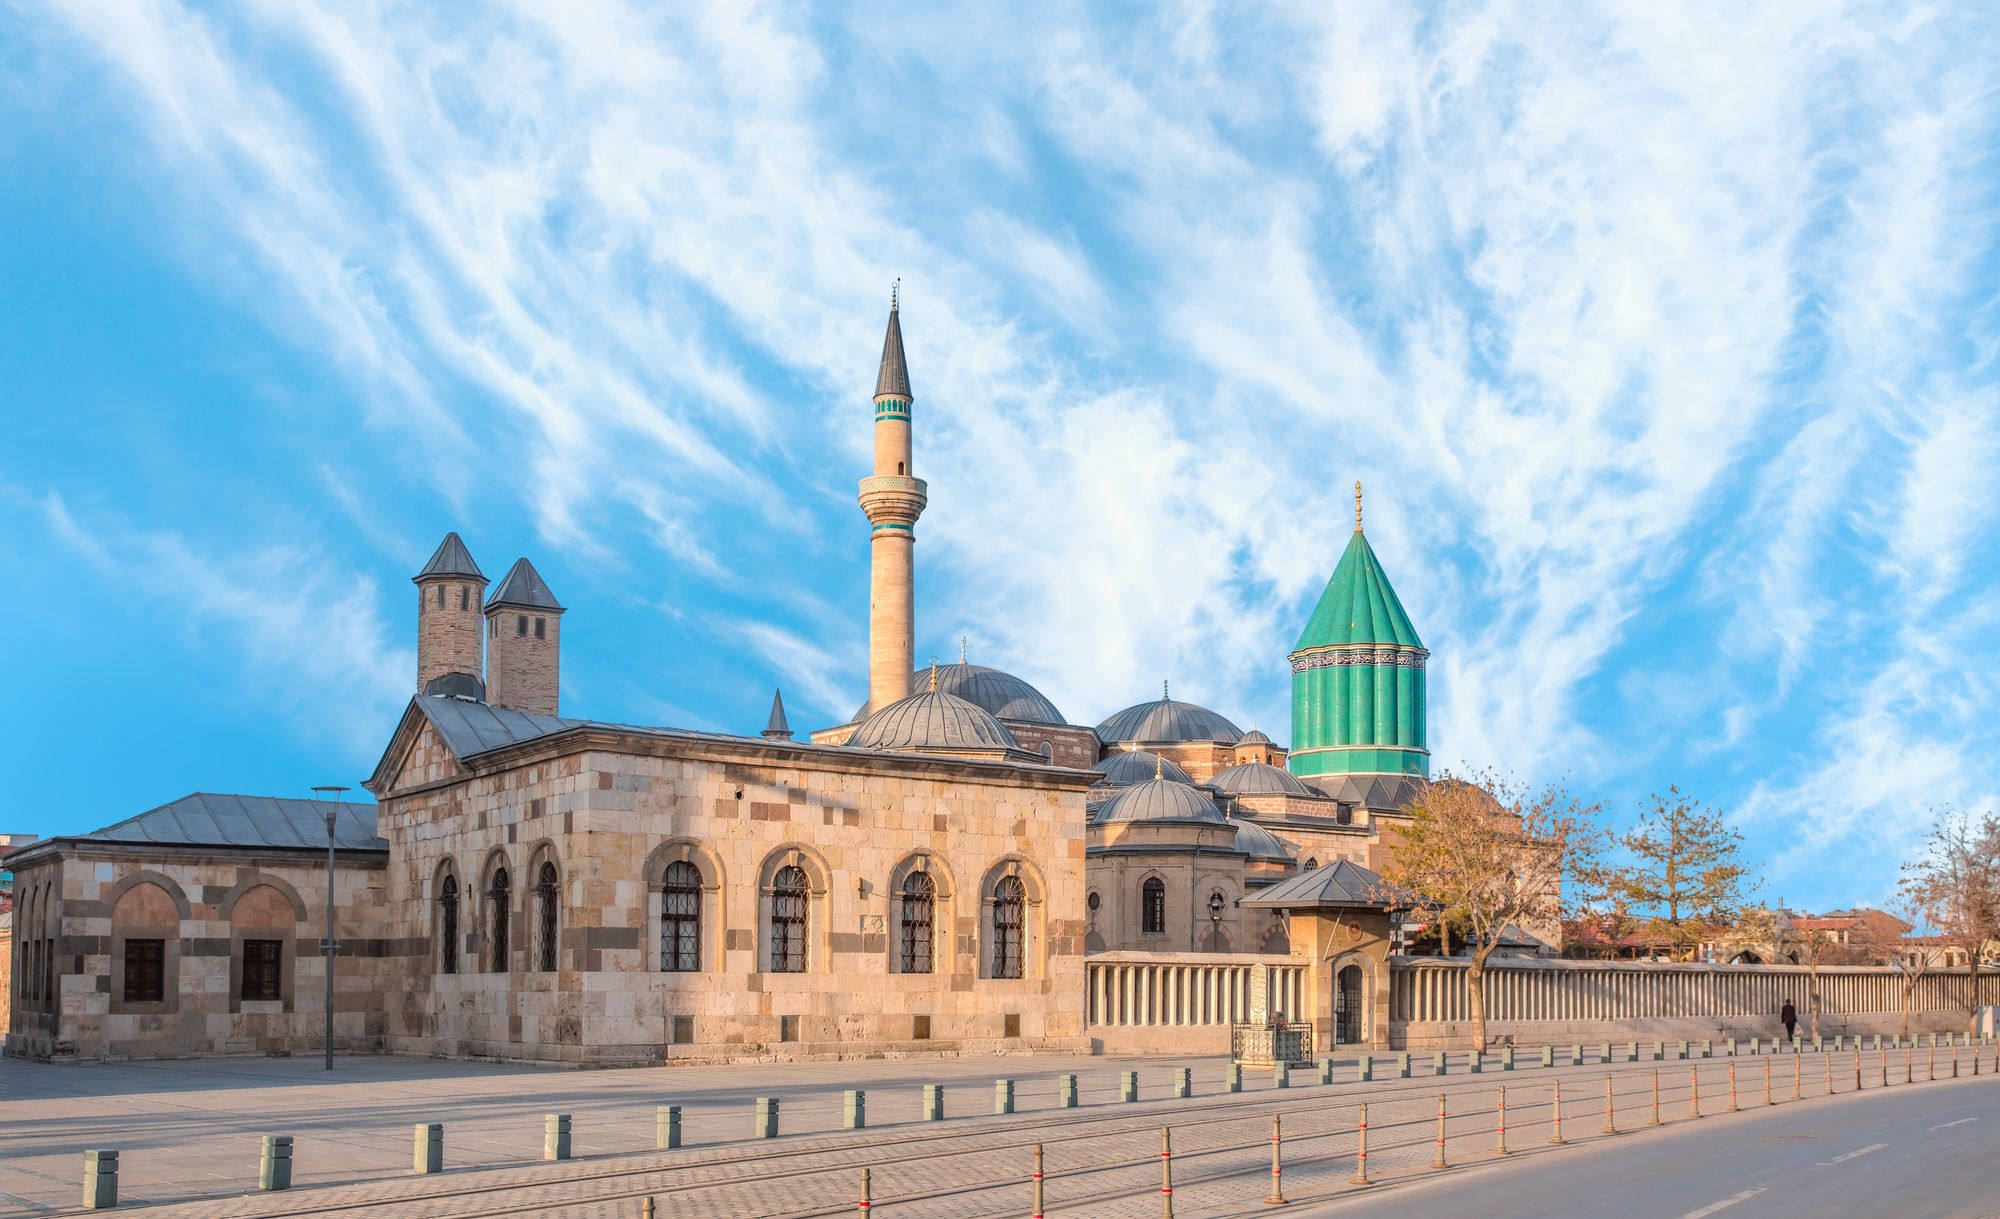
column 546, row 892
column 680, row 918
column 448, row 925
column 498, row 897
column 1153, row 906
column 919, row 916
column 1010, row 903
column 788, row 921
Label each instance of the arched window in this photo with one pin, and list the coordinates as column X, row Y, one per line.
column 1009, row 910
column 680, row 918
column 918, row 914
column 448, row 925
column 1153, row 906
column 788, row 921
column 498, row 897
column 545, row 895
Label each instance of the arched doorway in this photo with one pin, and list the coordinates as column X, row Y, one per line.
column 1347, row 1003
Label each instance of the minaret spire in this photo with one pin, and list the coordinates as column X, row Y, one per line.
column 777, row 728
column 893, row 498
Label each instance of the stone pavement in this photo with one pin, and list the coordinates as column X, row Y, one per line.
column 191, row 1128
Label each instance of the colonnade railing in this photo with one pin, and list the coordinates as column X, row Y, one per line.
column 1165, row 989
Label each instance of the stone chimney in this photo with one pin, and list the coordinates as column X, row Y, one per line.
column 523, row 643
column 450, row 593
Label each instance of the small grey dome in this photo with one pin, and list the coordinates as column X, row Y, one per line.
column 1167, row 721
column 1003, row 695
column 1138, row 766
column 1260, row 779
column 1259, row 843
column 1254, row 737
column 932, row 720
column 457, row 685
column 1160, row 800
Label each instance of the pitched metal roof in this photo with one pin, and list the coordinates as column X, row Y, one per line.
column 1168, row 722
column 1259, row 843
column 451, row 559
column 525, row 588
column 216, row 820
column 894, row 379
column 472, row 727
column 777, row 728
column 1159, row 800
column 1338, row 885
column 1383, row 793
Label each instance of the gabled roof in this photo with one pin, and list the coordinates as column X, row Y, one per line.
column 894, row 378
column 451, row 559
column 523, row 588
column 1358, row 606
column 470, row 728
column 1339, row 885
column 212, row 819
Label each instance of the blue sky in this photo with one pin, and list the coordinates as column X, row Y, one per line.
column 1664, row 337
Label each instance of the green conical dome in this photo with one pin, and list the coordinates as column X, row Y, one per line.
column 1358, row 606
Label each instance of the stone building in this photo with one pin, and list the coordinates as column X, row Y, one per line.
column 929, row 877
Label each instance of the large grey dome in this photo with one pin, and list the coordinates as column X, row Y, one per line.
column 1160, row 800
column 932, row 720
column 1168, row 721
column 1260, row 779
column 1138, row 766
column 1259, row 843
column 1003, row 695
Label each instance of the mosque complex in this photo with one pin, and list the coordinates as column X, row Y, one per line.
column 931, row 877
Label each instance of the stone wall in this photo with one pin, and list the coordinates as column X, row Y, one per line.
column 92, row 902
column 1184, row 1002
column 1537, row 1002
column 611, row 812
column 6, row 972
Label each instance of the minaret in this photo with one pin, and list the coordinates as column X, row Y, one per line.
column 893, row 499
column 450, row 592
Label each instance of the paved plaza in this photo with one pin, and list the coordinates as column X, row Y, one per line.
column 189, row 1131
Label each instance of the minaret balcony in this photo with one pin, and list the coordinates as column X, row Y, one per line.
column 893, row 499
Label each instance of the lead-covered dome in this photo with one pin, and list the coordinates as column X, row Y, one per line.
column 1167, row 722
column 1261, row 844
column 1000, row 694
column 1138, row 766
column 1160, row 800
column 932, row 720
column 1260, row 779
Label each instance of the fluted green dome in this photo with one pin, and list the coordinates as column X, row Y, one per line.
column 1359, row 606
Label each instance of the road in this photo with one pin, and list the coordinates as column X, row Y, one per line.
column 1916, row 1153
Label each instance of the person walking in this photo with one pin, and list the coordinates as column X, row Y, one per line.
column 1789, row 1017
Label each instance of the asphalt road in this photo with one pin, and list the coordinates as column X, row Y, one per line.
column 1930, row 1152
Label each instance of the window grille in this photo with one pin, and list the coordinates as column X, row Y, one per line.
column 546, row 893
column 1009, row 908
column 145, row 971
column 680, row 918
column 788, row 921
column 919, row 914
column 262, row 960
column 498, row 896
column 1153, row 906
column 448, row 926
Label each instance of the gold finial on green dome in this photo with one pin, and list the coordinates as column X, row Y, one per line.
column 1357, row 505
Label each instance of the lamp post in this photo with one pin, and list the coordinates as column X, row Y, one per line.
column 326, row 944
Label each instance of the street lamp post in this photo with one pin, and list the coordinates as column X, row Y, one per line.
column 326, row 944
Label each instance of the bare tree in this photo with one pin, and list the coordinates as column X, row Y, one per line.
column 1687, row 875
column 1490, row 855
column 1953, row 887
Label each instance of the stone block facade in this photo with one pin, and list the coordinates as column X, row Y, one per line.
column 524, row 658
column 449, row 628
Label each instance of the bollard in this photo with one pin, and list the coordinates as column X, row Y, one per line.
column 1656, row 1098
column 1281, row 1075
column 1474, row 1062
column 1829, row 1074
column 1277, row 1195
column 854, row 1109
column 1930, row 1057
column 1840, row 1043
column 1326, row 1070
column 646, row 1207
column 1857, row 1065
column 1500, row 1125
column 555, row 1135
column 1166, row 1174
column 1631, row 1051
column 1767, row 1081
column 867, row 1193
column 1576, row 1056
column 1732, row 1085
column 1128, row 1085
column 1605, row 1057
column 1877, row 1044
column 1235, row 1077
column 1819, row 1044
column 1440, row 1134
column 1910, row 1062
column 667, row 1127
column 1183, row 1083
column 1360, row 1176
column 1506, row 1058
column 933, row 1102
column 1066, row 1091
column 1610, row 1125
column 1403, row 1065
column 1694, row 1091
column 1659, row 1051
column 1730, row 1047
column 1548, row 1056
column 274, row 1171
column 428, row 1148
column 1798, row 1083
column 1438, row 1063
column 766, row 1118
column 1557, row 1137
column 1003, row 1096
column 100, row 1179
column 1364, row 1069
column 1036, row 1212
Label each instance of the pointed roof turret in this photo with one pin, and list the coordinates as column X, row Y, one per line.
column 776, row 728
column 451, row 559
column 523, row 588
column 894, row 379
column 1359, row 605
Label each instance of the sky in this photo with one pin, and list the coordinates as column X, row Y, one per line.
column 1662, row 337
